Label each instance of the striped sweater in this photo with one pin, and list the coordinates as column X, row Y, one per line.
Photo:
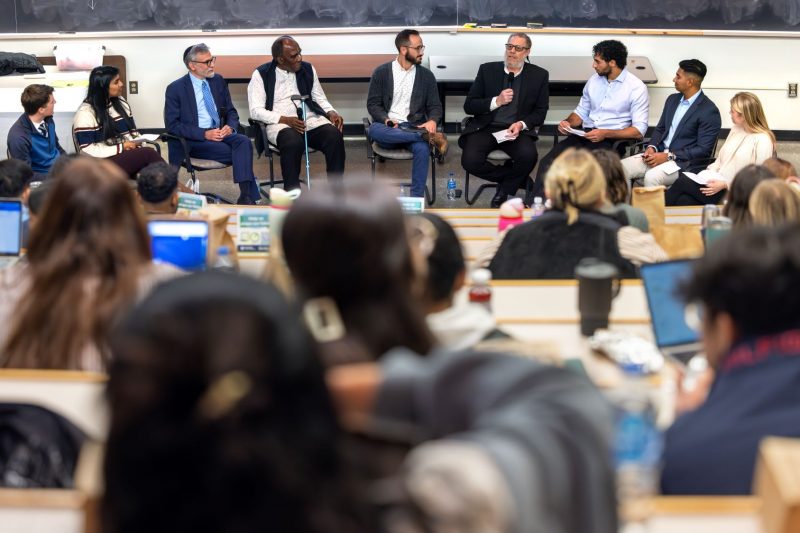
column 88, row 135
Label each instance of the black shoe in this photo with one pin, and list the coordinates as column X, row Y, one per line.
column 498, row 199
column 536, row 190
column 244, row 199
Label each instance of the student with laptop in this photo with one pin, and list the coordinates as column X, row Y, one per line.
column 88, row 260
column 748, row 290
column 10, row 231
column 15, row 180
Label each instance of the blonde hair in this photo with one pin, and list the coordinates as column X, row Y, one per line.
column 749, row 106
column 774, row 202
column 575, row 181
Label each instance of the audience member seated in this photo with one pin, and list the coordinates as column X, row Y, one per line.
column 103, row 125
column 615, row 105
column 157, row 185
column 780, row 167
column 15, row 180
column 550, row 246
column 687, row 131
column 88, row 259
column 354, row 266
column 33, row 137
column 617, row 190
column 503, row 443
column 456, row 326
column 750, row 142
column 748, row 290
column 737, row 206
column 36, row 200
column 773, row 203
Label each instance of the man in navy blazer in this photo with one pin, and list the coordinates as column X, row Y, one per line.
column 685, row 135
column 511, row 96
column 199, row 108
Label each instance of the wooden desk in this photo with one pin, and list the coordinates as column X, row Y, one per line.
column 330, row 68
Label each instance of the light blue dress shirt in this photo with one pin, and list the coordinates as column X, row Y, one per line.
column 680, row 112
column 615, row 104
column 203, row 118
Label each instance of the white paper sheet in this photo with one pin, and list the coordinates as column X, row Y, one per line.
column 579, row 133
column 150, row 137
column 503, row 136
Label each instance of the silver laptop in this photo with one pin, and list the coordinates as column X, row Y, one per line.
column 10, row 231
column 674, row 336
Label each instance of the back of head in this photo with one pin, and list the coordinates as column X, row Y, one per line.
column 749, row 106
column 157, row 182
column 85, row 255
column 774, row 202
column 575, row 181
column 737, row 207
column 695, row 68
column 616, row 182
column 753, row 275
column 348, row 241
column 445, row 262
column 15, row 176
column 212, row 432
column 780, row 167
column 34, row 97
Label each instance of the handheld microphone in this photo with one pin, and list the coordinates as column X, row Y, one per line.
column 509, row 80
column 299, row 97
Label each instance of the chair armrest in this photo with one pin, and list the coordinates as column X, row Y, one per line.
column 638, row 147
column 366, row 121
column 187, row 161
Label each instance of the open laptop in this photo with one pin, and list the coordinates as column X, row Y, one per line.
column 180, row 242
column 674, row 336
column 10, row 231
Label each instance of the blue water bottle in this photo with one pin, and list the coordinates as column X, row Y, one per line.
column 451, row 186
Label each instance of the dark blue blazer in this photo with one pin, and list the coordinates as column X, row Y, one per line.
column 696, row 134
column 180, row 111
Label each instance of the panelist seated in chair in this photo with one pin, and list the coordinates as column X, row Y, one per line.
column 403, row 101
column 269, row 97
column 103, row 125
column 614, row 106
column 198, row 107
column 687, row 130
column 511, row 96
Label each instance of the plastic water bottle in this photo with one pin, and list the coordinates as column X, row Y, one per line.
column 537, row 208
column 451, row 186
column 637, row 446
column 481, row 292
column 224, row 263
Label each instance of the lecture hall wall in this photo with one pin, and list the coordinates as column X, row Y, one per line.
column 759, row 62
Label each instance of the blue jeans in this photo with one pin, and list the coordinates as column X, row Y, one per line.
column 412, row 140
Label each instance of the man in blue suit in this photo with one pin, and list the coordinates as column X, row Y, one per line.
column 687, row 131
column 199, row 108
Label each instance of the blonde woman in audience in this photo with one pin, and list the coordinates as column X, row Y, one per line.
column 750, row 141
column 780, row 167
column 88, row 259
column 550, row 246
column 774, row 202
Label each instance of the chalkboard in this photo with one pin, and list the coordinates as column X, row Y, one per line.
column 24, row 16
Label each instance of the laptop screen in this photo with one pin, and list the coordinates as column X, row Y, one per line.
column 183, row 243
column 10, row 226
column 667, row 310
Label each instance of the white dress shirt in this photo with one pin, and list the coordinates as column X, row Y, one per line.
column 403, row 87
column 282, row 105
column 615, row 104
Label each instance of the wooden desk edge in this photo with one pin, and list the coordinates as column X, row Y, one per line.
column 23, row 374
column 40, row 498
column 706, row 505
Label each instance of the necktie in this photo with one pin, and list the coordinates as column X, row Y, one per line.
column 208, row 100
column 43, row 129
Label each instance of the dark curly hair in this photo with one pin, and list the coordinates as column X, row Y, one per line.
column 611, row 50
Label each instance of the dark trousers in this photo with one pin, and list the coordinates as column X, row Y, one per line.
column 132, row 161
column 235, row 150
column 326, row 138
column 572, row 141
column 509, row 177
column 686, row 191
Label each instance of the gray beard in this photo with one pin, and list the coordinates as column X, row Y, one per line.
column 515, row 66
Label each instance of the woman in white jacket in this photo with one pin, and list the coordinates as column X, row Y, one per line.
column 750, row 142
column 103, row 125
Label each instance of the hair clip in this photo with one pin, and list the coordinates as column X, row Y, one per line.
column 225, row 392
column 323, row 319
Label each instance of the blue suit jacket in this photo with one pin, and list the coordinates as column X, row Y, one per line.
column 180, row 112
column 696, row 134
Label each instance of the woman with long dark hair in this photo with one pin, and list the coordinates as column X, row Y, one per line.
column 104, row 127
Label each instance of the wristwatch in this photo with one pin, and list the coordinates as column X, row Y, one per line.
column 670, row 156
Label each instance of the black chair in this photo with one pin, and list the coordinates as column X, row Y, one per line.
column 270, row 150
column 196, row 164
column 376, row 152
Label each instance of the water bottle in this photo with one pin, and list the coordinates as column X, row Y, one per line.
column 481, row 292
column 451, row 186
column 224, row 263
column 637, row 446
column 538, row 207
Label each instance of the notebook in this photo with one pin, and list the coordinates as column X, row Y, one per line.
column 180, row 242
column 10, row 230
column 673, row 335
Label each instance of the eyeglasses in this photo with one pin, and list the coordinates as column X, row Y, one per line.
column 517, row 47
column 419, row 48
column 207, row 63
